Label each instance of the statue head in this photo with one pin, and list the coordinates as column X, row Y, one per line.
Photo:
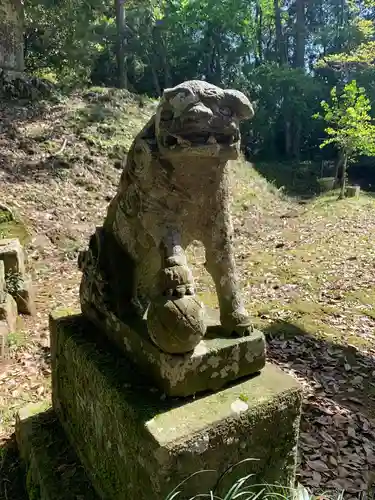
column 201, row 119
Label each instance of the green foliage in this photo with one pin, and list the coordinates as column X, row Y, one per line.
column 362, row 57
column 349, row 125
column 282, row 94
column 63, row 37
column 231, row 43
column 16, row 340
column 13, row 282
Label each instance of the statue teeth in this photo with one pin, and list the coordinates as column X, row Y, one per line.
column 211, row 140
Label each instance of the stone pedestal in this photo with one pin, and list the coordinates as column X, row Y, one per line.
column 216, row 361
column 134, row 443
column 53, row 469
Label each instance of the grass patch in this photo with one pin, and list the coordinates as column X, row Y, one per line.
column 246, row 487
column 248, row 187
column 11, row 227
column 109, row 120
column 16, row 340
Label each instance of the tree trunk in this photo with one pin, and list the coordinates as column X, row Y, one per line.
column 338, row 167
column 161, row 49
column 280, row 42
column 122, row 81
column 155, row 77
column 259, row 25
column 300, row 35
column 297, row 138
column 343, row 179
column 288, row 138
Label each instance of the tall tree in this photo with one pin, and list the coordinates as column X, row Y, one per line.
column 280, row 37
column 300, row 35
column 122, row 81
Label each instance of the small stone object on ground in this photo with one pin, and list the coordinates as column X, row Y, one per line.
column 12, row 254
column 13, row 278
column 25, row 297
column 352, row 191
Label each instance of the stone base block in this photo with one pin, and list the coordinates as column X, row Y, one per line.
column 135, row 443
column 12, row 254
column 25, row 297
column 8, row 312
column 216, row 361
column 2, row 282
column 53, row 469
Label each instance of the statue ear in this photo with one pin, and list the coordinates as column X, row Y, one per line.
column 168, row 93
column 239, row 103
column 179, row 99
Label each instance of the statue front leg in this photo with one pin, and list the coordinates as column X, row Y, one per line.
column 175, row 279
column 220, row 264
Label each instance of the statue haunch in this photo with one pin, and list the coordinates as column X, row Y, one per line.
column 174, row 189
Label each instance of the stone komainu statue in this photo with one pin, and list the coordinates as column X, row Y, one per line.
column 174, row 189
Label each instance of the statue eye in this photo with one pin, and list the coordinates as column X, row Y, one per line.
column 167, row 114
column 226, row 111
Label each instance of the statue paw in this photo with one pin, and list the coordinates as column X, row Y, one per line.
column 238, row 323
column 176, row 281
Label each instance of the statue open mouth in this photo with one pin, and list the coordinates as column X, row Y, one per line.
column 200, row 139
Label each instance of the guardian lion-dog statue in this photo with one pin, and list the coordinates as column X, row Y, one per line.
column 174, row 189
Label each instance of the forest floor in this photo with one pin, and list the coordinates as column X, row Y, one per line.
column 306, row 268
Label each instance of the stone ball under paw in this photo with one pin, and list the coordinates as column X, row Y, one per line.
column 176, row 325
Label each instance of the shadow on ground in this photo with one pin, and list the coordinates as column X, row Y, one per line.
column 294, row 179
column 12, row 474
column 342, row 373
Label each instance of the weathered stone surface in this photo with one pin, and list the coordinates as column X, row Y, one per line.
column 8, row 312
column 4, row 330
column 216, row 361
column 2, row 282
column 176, row 325
column 12, row 254
column 8, row 321
column 25, row 297
column 134, row 444
column 53, row 469
column 174, row 189
column 11, row 35
column 352, row 191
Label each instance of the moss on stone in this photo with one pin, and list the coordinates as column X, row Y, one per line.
column 53, row 469
column 216, row 361
column 135, row 443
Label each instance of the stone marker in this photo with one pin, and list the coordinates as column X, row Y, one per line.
column 25, row 296
column 8, row 313
column 12, row 254
column 12, row 260
column 352, row 191
column 148, row 384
